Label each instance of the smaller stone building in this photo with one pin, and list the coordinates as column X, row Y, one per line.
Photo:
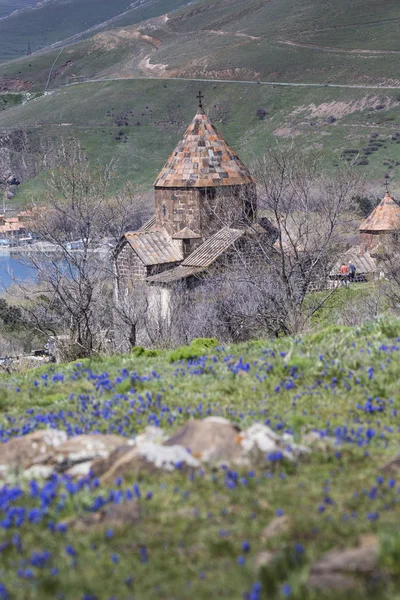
column 377, row 232
column 382, row 225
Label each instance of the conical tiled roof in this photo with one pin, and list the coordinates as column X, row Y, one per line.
column 203, row 159
column 385, row 217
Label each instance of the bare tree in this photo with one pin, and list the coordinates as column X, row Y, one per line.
column 260, row 286
column 77, row 226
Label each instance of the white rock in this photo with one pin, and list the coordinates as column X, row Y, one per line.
column 54, row 437
column 80, row 470
column 167, row 457
column 220, row 420
column 150, row 434
column 38, row 472
column 259, row 437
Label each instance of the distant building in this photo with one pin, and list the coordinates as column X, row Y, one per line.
column 377, row 232
column 11, row 227
column 382, row 225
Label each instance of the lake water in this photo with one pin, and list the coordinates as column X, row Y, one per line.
column 12, row 268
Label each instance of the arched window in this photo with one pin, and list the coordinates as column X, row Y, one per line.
column 164, row 210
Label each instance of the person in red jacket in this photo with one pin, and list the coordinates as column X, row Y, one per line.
column 344, row 273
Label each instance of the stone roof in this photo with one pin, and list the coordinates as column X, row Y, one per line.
column 202, row 257
column 212, row 248
column 149, row 224
column 363, row 261
column 174, row 274
column 154, row 247
column 203, row 159
column 385, row 217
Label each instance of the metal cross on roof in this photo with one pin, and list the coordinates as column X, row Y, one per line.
column 387, row 184
column 200, row 98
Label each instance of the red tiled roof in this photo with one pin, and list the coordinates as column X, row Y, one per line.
column 10, row 227
column 385, row 217
column 203, row 159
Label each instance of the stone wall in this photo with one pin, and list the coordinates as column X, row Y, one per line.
column 178, row 208
column 128, row 265
column 369, row 240
column 205, row 211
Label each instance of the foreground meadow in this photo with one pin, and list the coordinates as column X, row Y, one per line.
column 214, row 532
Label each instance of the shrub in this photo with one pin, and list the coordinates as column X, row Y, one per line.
column 261, row 113
column 351, row 151
column 206, row 342
column 139, row 351
column 198, row 347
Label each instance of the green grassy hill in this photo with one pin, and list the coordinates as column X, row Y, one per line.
column 138, row 123
column 278, row 41
column 201, row 536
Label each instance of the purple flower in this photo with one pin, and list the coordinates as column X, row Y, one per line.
column 70, row 550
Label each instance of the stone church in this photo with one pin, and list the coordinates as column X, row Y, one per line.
column 205, row 207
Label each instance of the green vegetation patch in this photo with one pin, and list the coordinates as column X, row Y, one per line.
column 200, row 535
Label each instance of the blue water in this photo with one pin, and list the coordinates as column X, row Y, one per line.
column 13, row 270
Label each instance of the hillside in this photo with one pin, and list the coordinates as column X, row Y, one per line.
column 138, row 123
column 9, row 6
column 42, row 24
column 258, row 531
column 280, row 41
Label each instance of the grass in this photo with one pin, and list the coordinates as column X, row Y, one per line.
column 190, row 534
column 93, row 113
column 236, row 40
column 10, row 100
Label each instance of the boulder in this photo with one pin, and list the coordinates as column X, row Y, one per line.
column 34, row 448
column 363, row 559
column 259, row 440
column 212, row 440
column 152, row 458
column 345, row 569
column 102, row 465
column 85, row 449
column 151, row 434
column 333, row 581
